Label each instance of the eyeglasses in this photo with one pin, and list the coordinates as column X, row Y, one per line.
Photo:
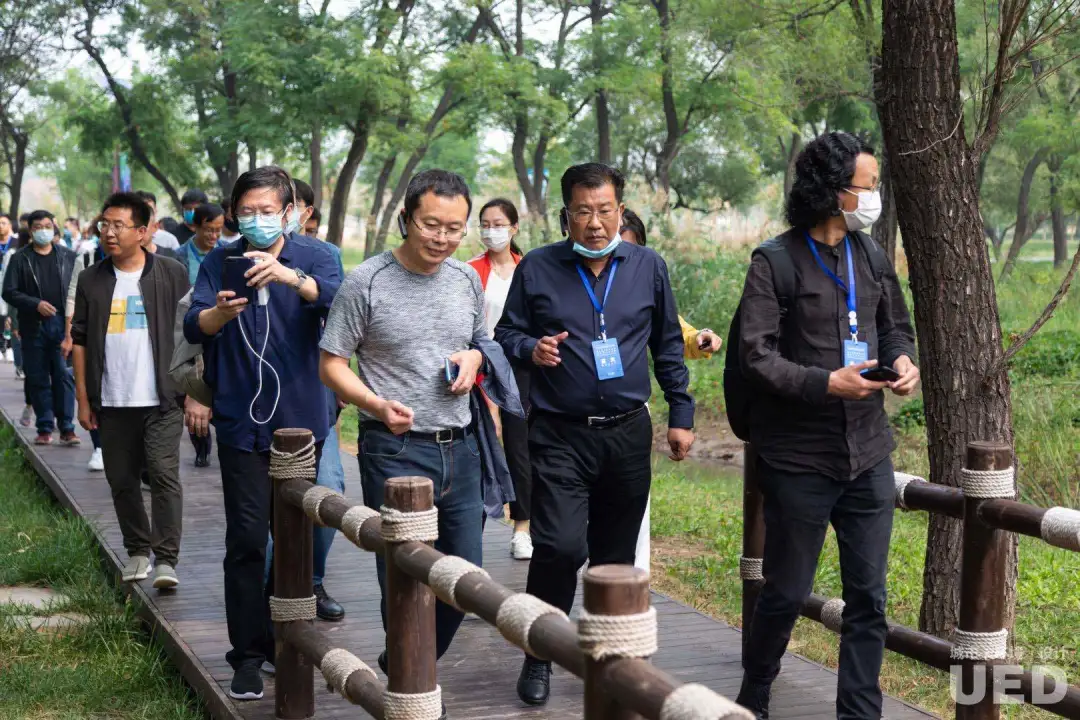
column 437, row 231
column 116, row 227
column 582, row 217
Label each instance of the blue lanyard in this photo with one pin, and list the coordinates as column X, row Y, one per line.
column 849, row 288
column 592, row 296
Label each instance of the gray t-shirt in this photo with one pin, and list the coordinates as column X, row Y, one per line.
column 402, row 326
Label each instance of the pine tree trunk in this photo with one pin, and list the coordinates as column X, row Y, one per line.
column 956, row 314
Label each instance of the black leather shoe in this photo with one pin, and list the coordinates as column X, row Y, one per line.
column 755, row 698
column 326, row 607
column 443, row 716
column 201, row 460
column 534, row 682
column 382, row 663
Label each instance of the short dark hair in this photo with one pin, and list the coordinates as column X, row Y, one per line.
column 442, row 183
column 591, row 175
column 823, row 168
column 72, row 220
column 268, row 176
column 304, row 192
column 140, row 211
column 632, row 222
column 5, row 215
column 207, row 212
column 25, row 217
column 23, row 238
column 33, row 217
column 508, row 208
column 193, row 195
column 147, row 196
column 315, row 214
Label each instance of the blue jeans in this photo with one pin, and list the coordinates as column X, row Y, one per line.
column 332, row 475
column 48, row 378
column 454, row 468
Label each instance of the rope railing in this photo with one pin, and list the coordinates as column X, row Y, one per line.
column 986, row 507
column 609, row 648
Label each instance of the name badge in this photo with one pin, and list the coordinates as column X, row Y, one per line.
column 855, row 352
column 607, row 358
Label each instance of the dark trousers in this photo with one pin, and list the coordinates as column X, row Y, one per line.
column 454, row 469
column 248, row 496
column 202, row 444
column 48, row 378
column 590, row 487
column 798, row 510
column 130, row 437
column 515, row 437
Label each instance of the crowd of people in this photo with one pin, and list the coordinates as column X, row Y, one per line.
column 518, row 379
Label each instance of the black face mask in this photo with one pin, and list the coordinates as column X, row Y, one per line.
column 232, row 225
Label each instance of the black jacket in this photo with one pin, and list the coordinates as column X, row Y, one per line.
column 163, row 283
column 23, row 292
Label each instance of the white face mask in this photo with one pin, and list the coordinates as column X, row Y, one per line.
column 867, row 213
column 495, row 238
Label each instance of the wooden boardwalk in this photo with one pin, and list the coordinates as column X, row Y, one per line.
column 477, row 674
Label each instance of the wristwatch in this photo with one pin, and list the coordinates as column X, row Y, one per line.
column 301, row 276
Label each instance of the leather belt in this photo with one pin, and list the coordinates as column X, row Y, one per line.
column 598, row 421
column 439, row 436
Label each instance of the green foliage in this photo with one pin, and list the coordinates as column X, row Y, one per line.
column 910, row 416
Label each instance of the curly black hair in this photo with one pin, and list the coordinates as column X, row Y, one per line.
column 824, row 167
column 632, row 221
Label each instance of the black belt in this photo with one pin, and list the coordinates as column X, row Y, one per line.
column 439, row 436
column 596, row 421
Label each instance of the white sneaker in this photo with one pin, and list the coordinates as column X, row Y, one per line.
column 521, row 546
column 137, row 568
column 9, row 356
column 165, row 577
column 96, row 464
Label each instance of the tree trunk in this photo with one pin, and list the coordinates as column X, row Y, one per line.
column 253, row 155
column 18, row 168
column 1057, row 222
column 371, row 230
column 1023, row 232
column 335, row 230
column 884, row 230
column 315, row 151
column 603, row 119
column 791, row 152
column 389, row 213
column 956, row 313
column 670, row 148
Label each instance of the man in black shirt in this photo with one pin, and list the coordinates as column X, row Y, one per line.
column 818, row 424
column 585, row 313
column 191, row 199
column 36, row 286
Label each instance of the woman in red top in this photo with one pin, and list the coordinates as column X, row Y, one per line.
column 496, row 265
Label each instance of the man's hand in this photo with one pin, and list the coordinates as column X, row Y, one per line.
column 267, row 269
column 45, row 309
column 712, row 339
column 546, row 352
column 197, row 417
column 395, row 416
column 909, row 376
column 87, row 418
column 229, row 308
column 848, row 384
column 680, row 440
column 469, row 363
column 66, row 344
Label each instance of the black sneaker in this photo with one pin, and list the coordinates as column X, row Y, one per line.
column 755, row 698
column 326, row 607
column 534, row 682
column 246, row 683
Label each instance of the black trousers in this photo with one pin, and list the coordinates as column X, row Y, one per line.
column 516, row 446
column 245, row 484
column 590, row 488
column 798, row 510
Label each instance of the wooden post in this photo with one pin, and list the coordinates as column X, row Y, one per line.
column 982, row 581
column 753, row 535
column 611, row 590
column 294, row 682
column 410, row 604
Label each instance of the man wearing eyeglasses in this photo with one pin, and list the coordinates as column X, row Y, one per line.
column 586, row 313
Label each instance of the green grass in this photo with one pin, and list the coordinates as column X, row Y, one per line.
column 108, row 668
column 697, row 540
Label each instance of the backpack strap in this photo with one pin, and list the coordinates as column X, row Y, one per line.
column 783, row 271
column 879, row 264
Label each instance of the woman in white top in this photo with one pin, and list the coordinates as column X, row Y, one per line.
column 496, row 265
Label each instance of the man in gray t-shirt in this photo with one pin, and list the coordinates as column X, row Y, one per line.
column 405, row 314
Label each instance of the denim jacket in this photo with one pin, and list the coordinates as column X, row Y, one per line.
column 500, row 387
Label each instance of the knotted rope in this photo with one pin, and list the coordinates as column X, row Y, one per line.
column 832, row 614
column 299, row 465
column 751, row 568
column 989, row 483
column 1061, row 527
column 610, row 636
column 902, row 480
column 337, row 667
column 397, row 526
column 353, row 518
column 290, row 609
column 445, row 574
column 979, row 646
column 413, row 706
column 313, row 499
column 697, row 702
column 516, row 617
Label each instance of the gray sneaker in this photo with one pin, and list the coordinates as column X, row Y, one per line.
column 27, row 418
column 165, row 577
column 137, row 568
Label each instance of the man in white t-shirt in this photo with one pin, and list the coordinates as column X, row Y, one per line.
column 122, row 331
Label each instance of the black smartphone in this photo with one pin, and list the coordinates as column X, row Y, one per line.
column 451, row 370
column 232, row 277
column 702, row 343
column 882, row 373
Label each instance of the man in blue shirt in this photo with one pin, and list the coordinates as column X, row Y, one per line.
column 262, row 364
column 585, row 313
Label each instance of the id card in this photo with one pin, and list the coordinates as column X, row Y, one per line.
column 855, row 352
column 608, row 360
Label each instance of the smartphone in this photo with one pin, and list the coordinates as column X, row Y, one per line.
column 451, row 370
column 882, row 373
column 232, row 277
column 702, row 343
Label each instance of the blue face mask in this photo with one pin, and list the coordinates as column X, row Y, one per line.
column 43, row 237
column 294, row 222
column 597, row 254
column 67, row 236
column 262, row 231
column 189, row 216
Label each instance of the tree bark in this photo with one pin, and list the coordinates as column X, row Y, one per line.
column 956, row 313
column 339, row 203
column 670, row 147
column 792, row 153
column 371, row 231
column 16, row 162
column 1057, row 221
column 603, row 119
column 884, row 230
column 1023, row 230
column 315, row 151
column 253, row 155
